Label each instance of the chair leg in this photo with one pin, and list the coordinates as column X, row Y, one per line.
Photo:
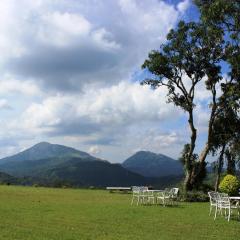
column 216, row 209
column 229, row 214
column 210, row 210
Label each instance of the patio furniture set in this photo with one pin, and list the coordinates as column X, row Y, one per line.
column 143, row 195
column 223, row 204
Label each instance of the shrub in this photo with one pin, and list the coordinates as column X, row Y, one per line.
column 194, row 196
column 230, row 185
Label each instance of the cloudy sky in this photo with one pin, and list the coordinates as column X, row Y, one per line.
column 70, row 73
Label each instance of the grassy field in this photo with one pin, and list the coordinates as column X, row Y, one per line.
column 44, row 213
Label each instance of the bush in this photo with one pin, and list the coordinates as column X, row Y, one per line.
column 230, row 185
column 194, row 196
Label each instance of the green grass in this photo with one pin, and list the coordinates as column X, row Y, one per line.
column 44, row 213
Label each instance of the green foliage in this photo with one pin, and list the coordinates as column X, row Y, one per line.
column 194, row 196
column 184, row 159
column 198, row 50
column 195, row 51
column 191, row 49
column 230, row 185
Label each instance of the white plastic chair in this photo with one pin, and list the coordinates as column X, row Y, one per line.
column 168, row 196
column 135, row 194
column 212, row 200
column 150, row 196
column 143, row 195
column 140, row 193
column 164, row 196
column 224, row 203
column 174, row 195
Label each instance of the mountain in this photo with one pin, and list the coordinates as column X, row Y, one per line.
column 8, row 179
column 94, row 173
column 45, row 150
column 151, row 164
column 36, row 167
column 80, row 173
column 39, row 158
column 55, row 165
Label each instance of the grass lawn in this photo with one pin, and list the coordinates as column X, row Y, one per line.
column 44, row 213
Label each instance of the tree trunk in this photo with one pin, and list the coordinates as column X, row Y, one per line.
column 204, row 153
column 198, row 172
column 188, row 164
column 219, row 168
column 231, row 168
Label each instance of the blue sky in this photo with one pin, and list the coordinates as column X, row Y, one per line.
column 70, row 72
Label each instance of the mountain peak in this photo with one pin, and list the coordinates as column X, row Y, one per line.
column 42, row 144
column 151, row 164
column 143, row 152
column 43, row 150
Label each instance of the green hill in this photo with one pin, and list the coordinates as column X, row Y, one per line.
column 151, row 164
column 56, row 165
column 45, row 150
column 94, row 173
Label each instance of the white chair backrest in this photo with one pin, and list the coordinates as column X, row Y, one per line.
column 213, row 197
column 224, row 201
column 175, row 191
column 139, row 189
column 135, row 189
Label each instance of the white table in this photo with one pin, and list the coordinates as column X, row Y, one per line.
column 155, row 190
column 235, row 199
column 121, row 189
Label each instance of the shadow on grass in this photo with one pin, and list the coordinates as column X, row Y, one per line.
column 162, row 206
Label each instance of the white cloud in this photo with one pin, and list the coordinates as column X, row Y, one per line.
column 61, row 28
column 183, row 6
column 10, row 85
column 119, row 105
column 4, row 104
column 66, row 46
column 66, row 67
column 94, row 150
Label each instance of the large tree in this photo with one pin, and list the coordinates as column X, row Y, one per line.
column 225, row 16
column 198, row 50
column 192, row 52
column 226, row 135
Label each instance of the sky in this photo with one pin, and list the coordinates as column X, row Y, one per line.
column 70, row 73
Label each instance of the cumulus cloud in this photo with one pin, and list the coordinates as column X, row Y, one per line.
column 10, row 85
column 66, row 71
column 98, row 109
column 4, row 104
column 65, row 46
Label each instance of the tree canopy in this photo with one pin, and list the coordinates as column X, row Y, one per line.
column 194, row 53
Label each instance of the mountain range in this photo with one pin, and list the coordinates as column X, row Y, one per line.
column 53, row 165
